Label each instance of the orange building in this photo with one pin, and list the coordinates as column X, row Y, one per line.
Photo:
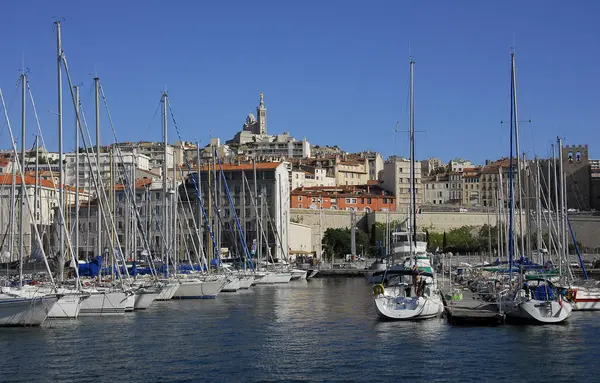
column 366, row 198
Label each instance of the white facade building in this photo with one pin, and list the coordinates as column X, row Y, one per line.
column 310, row 178
column 436, row 190
column 107, row 161
column 458, row 165
column 396, row 178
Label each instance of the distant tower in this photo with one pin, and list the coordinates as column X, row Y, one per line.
column 261, row 113
column 577, row 168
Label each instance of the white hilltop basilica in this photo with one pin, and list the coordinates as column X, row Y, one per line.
column 254, row 140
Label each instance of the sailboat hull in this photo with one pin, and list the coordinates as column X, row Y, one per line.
column 540, row 312
column 299, row 274
column 25, row 311
column 104, row 303
column 196, row 289
column 168, row 291
column 232, row 286
column 130, row 302
column 246, row 281
column 272, row 278
column 390, row 308
column 144, row 298
column 67, row 306
column 586, row 299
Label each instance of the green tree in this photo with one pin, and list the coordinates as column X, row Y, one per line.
column 463, row 240
column 487, row 234
column 436, row 240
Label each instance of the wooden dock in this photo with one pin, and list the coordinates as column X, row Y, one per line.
column 470, row 310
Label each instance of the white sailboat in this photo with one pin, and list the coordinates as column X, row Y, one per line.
column 17, row 311
column 411, row 292
column 197, row 288
column 169, row 288
column 534, row 300
column 538, row 301
column 103, row 301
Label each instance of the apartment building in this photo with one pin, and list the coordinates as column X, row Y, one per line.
column 471, row 195
column 111, row 165
column 436, row 189
column 273, row 189
column 397, row 179
column 367, row 198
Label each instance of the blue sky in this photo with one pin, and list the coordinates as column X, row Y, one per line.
column 335, row 72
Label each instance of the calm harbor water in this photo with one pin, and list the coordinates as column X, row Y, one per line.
column 320, row 330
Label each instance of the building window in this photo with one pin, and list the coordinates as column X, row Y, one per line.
column 353, row 200
column 299, row 198
column 299, row 206
column 348, row 200
column 313, row 199
column 369, row 201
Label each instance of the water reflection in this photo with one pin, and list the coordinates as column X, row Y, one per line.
column 320, row 330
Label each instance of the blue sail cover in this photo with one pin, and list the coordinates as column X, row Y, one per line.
column 91, row 269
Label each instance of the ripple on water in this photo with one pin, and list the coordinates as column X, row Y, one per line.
column 320, row 330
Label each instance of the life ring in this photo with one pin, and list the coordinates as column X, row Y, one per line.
column 378, row 290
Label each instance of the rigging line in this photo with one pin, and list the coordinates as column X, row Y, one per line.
column 31, row 217
column 202, row 260
column 127, row 184
column 237, row 221
column 10, row 106
column 110, row 227
column 210, row 232
column 60, row 204
column 154, row 117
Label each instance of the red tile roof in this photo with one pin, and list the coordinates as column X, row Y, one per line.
column 139, row 183
column 6, row 179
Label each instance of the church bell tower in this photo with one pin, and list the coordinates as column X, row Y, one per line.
column 261, row 112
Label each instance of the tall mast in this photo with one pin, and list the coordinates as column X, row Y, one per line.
column 23, row 191
column 200, row 220
column 258, row 217
column 413, row 192
column 111, row 210
column 174, row 206
column 516, row 122
column 76, row 177
column 563, row 209
column 11, row 217
column 557, row 207
column 164, row 174
column 36, row 200
column 99, row 218
column 538, row 212
column 61, row 245
column 549, row 205
column 527, row 194
column 217, row 193
column 510, row 174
